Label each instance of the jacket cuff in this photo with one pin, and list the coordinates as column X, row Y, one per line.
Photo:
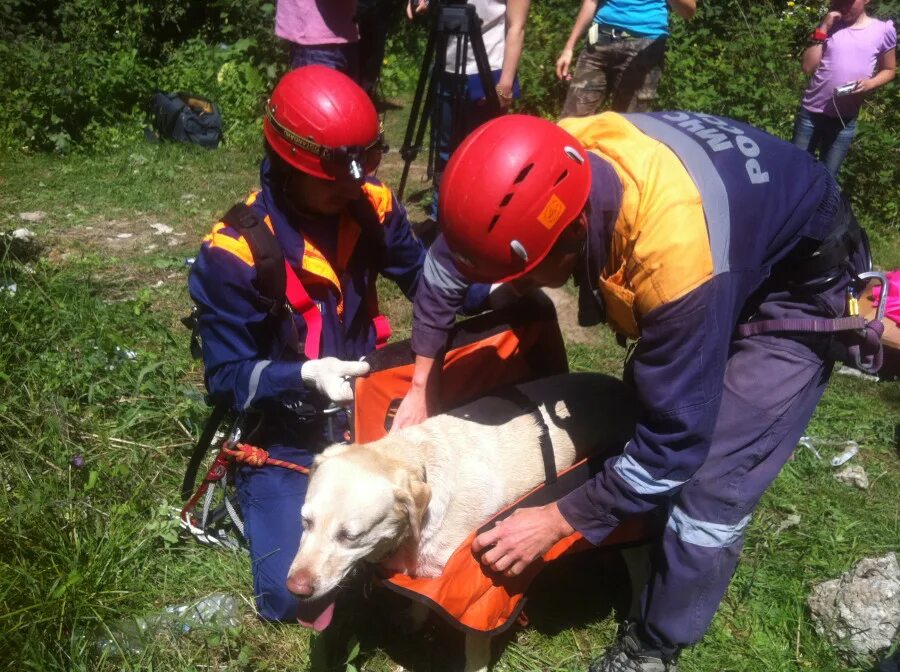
column 281, row 381
column 578, row 510
column 428, row 341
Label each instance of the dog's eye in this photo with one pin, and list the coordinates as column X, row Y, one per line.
column 307, row 524
column 344, row 534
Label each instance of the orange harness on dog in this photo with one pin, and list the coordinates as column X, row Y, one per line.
column 472, row 597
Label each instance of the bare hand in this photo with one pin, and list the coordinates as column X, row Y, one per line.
column 863, row 86
column 412, row 410
column 517, row 541
column 830, row 20
column 421, row 6
column 504, row 96
column 563, row 63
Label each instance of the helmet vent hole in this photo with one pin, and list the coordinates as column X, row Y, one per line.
column 561, row 177
column 573, row 154
column 506, row 200
column 523, row 173
column 493, row 223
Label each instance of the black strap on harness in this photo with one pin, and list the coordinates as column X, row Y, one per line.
column 268, row 257
column 219, row 413
column 528, row 405
column 821, row 262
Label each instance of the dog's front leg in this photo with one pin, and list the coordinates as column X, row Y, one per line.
column 412, row 619
column 478, row 652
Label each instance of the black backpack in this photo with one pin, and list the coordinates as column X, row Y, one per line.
column 184, row 117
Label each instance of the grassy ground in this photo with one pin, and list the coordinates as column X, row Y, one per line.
column 94, row 364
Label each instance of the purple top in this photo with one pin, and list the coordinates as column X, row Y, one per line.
column 850, row 54
column 309, row 22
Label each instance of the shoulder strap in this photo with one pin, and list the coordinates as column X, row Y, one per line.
column 268, row 257
column 372, row 239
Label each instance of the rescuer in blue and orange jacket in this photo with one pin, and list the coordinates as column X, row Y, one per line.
column 338, row 228
column 728, row 256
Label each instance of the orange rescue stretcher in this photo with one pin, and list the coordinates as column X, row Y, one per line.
column 486, row 353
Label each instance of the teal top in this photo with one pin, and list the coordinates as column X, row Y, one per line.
column 647, row 18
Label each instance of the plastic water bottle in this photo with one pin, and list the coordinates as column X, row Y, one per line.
column 216, row 612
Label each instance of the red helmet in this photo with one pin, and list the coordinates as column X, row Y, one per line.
column 510, row 189
column 321, row 122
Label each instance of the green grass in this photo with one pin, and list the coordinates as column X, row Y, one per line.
column 84, row 548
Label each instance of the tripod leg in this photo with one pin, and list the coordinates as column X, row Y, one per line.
column 484, row 66
column 409, row 151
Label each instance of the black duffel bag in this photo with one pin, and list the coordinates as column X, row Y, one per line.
column 184, row 117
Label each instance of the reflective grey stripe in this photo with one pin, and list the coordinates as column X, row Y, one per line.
column 639, row 480
column 705, row 176
column 253, row 386
column 440, row 277
column 701, row 533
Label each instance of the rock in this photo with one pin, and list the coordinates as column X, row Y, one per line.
column 859, row 612
column 792, row 520
column 35, row 216
column 20, row 244
column 853, row 475
column 161, row 228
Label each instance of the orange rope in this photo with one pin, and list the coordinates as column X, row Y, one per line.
column 258, row 457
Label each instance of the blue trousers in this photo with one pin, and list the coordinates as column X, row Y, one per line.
column 824, row 136
column 341, row 57
column 772, row 386
column 455, row 116
column 270, row 499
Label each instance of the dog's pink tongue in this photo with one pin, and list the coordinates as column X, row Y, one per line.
column 322, row 621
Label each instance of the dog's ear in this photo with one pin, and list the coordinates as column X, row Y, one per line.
column 412, row 495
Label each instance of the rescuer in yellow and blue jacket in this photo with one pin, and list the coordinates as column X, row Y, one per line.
column 728, row 256
column 281, row 363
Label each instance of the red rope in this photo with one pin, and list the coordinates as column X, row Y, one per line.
column 243, row 453
column 257, row 457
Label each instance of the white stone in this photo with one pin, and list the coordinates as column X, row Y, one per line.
column 853, row 475
column 35, row 216
column 23, row 234
column 859, row 612
column 161, row 228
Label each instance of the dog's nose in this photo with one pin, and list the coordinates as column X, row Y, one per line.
column 300, row 583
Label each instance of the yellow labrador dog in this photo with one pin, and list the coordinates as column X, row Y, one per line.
column 408, row 501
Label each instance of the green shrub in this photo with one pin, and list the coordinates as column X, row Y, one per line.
column 742, row 60
column 75, row 69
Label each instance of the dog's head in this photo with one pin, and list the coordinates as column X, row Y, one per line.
column 360, row 506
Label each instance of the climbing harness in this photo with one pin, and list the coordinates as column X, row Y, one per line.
column 864, row 346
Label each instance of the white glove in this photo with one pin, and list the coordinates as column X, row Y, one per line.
column 331, row 376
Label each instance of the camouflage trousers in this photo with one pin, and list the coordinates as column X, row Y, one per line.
column 623, row 71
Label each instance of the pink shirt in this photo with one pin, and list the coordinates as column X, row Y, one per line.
column 850, row 54
column 309, row 22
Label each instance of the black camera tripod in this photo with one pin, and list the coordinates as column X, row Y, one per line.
column 457, row 20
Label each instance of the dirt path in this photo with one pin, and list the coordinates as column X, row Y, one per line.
column 566, row 305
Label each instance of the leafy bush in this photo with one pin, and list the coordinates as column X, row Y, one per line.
column 742, row 59
column 75, row 69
